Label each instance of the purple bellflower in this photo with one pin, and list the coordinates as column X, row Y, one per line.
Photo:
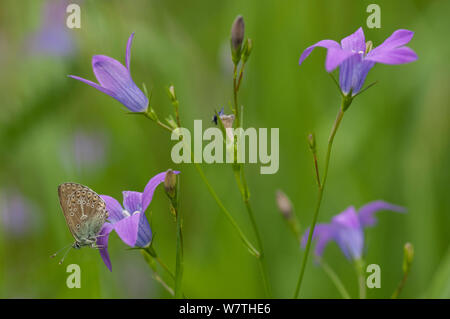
column 347, row 229
column 355, row 57
column 129, row 221
column 115, row 80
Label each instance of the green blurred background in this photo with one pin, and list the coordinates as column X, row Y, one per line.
column 393, row 143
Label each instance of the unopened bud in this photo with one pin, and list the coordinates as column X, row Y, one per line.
column 312, row 142
column 369, row 46
column 408, row 256
column 171, row 93
column 237, row 37
column 284, row 204
column 170, row 182
column 248, row 46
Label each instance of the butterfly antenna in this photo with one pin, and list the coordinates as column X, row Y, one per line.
column 65, row 254
column 54, row 255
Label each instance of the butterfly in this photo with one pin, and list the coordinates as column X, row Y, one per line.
column 85, row 213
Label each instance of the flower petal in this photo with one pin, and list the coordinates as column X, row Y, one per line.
column 111, row 74
column 355, row 42
column 400, row 55
column 149, row 189
column 353, row 73
column 127, row 229
column 348, row 218
column 128, row 52
column 366, row 213
column 102, row 242
column 113, row 207
column 144, row 237
column 323, row 233
column 335, row 55
column 397, row 39
column 132, row 201
column 95, row 85
column 351, row 241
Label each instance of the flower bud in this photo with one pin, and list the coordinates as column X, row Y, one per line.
column 248, row 46
column 284, row 205
column 237, row 37
column 408, row 256
column 171, row 93
column 170, row 182
column 312, row 142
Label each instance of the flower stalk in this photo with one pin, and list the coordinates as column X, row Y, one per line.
column 359, row 266
column 238, row 168
column 346, row 101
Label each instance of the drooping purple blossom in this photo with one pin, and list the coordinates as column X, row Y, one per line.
column 355, row 58
column 129, row 221
column 347, row 229
column 115, row 80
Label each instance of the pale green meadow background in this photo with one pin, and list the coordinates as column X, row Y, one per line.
column 393, row 144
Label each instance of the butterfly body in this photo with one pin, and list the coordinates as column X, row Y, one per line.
column 84, row 211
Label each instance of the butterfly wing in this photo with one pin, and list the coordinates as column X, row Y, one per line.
column 84, row 211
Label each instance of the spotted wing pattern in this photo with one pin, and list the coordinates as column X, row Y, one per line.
column 84, row 211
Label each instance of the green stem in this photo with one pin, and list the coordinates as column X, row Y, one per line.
column 400, row 287
column 242, row 184
column 359, row 266
column 335, row 279
column 244, row 239
column 179, row 256
column 320, row 193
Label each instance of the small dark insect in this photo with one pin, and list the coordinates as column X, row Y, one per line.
column 215, row 119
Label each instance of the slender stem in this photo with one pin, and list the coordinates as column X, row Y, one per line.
column 334, row 278
column 244, row 239
column 316, row 168
column 179, row 256
column 163, row 283
column 235, row 101
column 242, row 182
column 164, row 266
column 150, row 254
column 400, row 286
column 359, row 266
column 241, row 73
column 320, row 195
column 243, row 186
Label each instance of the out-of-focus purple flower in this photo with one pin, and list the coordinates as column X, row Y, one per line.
column 17, row 213
column 347, row 229
column 129, row 221
column 89, row 149
column 115, row 80
column 53, row 38
column 356, row 58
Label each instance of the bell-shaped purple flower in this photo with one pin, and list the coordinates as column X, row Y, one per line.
column 115, row 80
column 356, row 58
column 347, row 229
column 129, row 221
